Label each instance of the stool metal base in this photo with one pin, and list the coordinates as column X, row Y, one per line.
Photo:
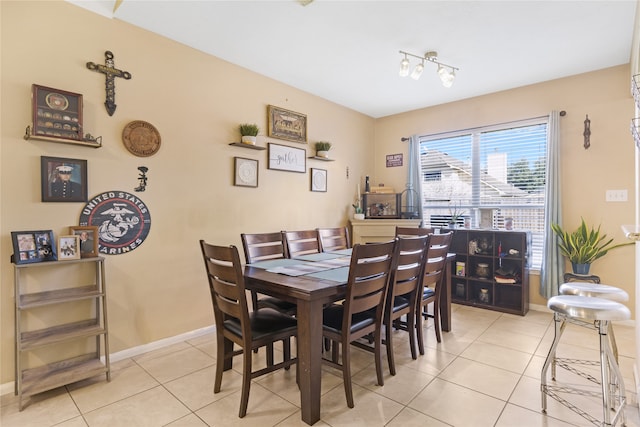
column 612, row 390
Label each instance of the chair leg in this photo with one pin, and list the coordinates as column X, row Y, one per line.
column 269, row 348
column 388, row 340
column 411, row 330
column 377, row 351
column 346, row 372
column 246, row 383
column 436, row 321
column 286, row 350
column 419, row 334
column 224, row 348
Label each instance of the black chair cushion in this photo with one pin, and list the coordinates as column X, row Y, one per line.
column 263, row 322
column 428, row 293
column 332, row 318
column 400, row 303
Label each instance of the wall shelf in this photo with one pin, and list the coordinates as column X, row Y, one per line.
column 324, row 159
column 89, row 142
column 253, row 147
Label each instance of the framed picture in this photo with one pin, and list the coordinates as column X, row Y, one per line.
column 33, row 246
column 68, row 247
column 245, row 172
column 88, row 240
column 63, row 180
column 318, row 180
column 285, row 124
column 284, row 158
column 56, row 113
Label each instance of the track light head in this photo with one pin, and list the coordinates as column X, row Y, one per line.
column 417, row 72
column 404, row 67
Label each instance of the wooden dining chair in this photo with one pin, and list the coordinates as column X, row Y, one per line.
column 263, row 247
column 433, row 276
column 362, row 311
column 413, row 231
column 405, row 286
column 236, row 325
column 334, row 238
column 301, row 242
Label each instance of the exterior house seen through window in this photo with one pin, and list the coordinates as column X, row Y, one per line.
column 490, row 177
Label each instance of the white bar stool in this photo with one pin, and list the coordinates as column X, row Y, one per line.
column 587, row 289
column 583, row 310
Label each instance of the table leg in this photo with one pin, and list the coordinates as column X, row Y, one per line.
column 445, row 298
column 309, row 316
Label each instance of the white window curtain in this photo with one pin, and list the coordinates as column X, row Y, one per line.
column 552, row 270
column 414, row 177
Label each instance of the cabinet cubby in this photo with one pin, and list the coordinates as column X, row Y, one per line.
column 491, row 269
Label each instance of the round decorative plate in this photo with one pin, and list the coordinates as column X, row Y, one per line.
column 57, row 101
column 141, row 138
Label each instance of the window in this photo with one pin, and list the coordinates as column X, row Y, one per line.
column 493, row 176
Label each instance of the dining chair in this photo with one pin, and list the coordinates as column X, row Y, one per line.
column 334, row 238
column 236, row 325
column 362, row 311
column 301, row 242
column 433, row 276
column 405, row 285
column 263, row 247
column 413, row 231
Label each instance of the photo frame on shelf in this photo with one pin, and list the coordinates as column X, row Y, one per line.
column 245, row 172
column 89, row 237
column 56, row 113
column 285, row 158
column 63, row 179
column 33, row 246
column 286, row 124
column 68, row 247
column 318, row 180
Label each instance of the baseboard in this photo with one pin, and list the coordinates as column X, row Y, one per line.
column 138, row 350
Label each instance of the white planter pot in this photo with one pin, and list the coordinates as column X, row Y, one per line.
column 324, row 154
column 251, row 140
column 358, row 216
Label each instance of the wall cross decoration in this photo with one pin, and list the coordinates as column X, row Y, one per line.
column 110, row 72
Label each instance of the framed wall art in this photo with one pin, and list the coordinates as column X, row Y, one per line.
column 318, row 180
column 63, row 180
column 245, row 172
column 88, row 240
column 33, row 246
column 285, row 124
column 285, row 158
column 68, row 247
column 56, row 113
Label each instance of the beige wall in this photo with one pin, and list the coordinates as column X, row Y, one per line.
column 196, row 102
column 586, row 174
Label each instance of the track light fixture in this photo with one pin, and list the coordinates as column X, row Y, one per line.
column 446, row 72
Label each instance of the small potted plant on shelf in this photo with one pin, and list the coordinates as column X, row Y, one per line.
column 249, row 132
column 455, row 213
column 583, row 246
column 358, row 211
column 322, row 149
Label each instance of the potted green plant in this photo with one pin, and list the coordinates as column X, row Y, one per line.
column 358, row 211
column 249, row 132
column 322, row 149
column 455, row 213
column 583, row 245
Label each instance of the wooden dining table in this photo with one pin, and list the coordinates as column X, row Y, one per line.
column 311, row 294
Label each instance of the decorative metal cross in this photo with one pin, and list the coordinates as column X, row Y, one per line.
column 110, row 73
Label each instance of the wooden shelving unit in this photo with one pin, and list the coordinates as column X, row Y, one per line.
column 501, row 282
column 31, row 380
column 93, row 143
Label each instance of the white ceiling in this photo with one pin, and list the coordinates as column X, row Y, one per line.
column 347, row 51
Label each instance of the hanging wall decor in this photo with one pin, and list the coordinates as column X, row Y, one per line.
column 123, row 221
column 285, row 124
column 110, row 72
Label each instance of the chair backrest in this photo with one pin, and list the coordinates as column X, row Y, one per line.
column 301, row 242
column 369, row 274
column 413, row 231
column 436, row 258
column 408, row 272
column 334, row 239
column 226, row 283
column 263, row 246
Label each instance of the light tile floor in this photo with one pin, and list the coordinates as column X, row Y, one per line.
column 486, row 372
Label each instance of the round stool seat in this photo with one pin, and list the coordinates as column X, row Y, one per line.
column 589, row 308
column 586, row 289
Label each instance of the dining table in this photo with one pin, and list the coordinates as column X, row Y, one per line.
column 311, row 282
